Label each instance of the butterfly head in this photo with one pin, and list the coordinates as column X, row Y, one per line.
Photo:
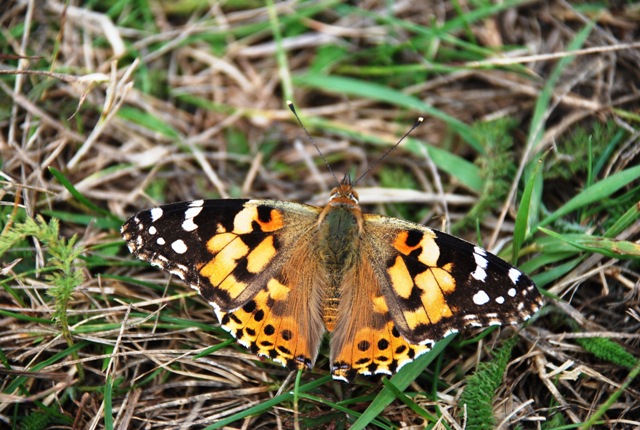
column 344, row 194
column 344, row 198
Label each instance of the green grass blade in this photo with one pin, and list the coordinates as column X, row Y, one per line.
column 522, row 218
column 631, row 216
column 108, row 403
column 536, row 129
column 78, row 196
column 597, row 192
column 612, row 248
column 266, row 405
column 370, row 90
column 594, row 419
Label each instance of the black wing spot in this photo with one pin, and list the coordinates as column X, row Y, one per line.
column 264, row 213
column 413, row 238
column 284, row 350
column 249, row 307
column 364, row 345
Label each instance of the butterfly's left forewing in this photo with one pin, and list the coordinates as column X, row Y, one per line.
column 246, row 259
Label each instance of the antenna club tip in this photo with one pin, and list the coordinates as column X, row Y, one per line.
column 291, row 106
column 420, row 119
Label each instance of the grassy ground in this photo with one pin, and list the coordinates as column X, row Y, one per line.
column 529, row 147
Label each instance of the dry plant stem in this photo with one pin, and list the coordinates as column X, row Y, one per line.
column 508, row 420
column 116, row 95
column 540, row 364
column 438, row 184
column 252, row 173
column 94, row 22
column 202, row 159
column 554, row 56
column 22, row 64
column 30, row 107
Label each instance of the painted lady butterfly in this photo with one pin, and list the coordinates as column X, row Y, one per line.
column 280, row 274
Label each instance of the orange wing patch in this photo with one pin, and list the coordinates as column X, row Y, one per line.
column 422, row 286
column 365, row 340
column 278, row 337
column 375, row 351
column 282, row 320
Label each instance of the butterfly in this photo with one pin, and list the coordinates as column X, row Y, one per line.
column 280, row 274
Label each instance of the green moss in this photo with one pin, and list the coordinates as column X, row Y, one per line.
column 497, row 169
column 607, row 350
column 481, row 387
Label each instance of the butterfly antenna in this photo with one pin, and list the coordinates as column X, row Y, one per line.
column 293, row 109
column 404, row 136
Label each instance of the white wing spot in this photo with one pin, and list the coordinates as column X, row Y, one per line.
column 512, row 292
column 161, row 259
column 500, row 300
column 160, row 241
column 156, row 214
column 450, row 331
column 189, row 225
column 480, row 298
column 481, row 264
column 480, row 260
column 196, row 203
column 514, row 275
column 479, row 274
column 192, row 212
column 152, row 230
column 179, row 246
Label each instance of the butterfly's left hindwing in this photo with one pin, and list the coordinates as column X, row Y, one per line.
column 437, row 284
column 244, row 257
